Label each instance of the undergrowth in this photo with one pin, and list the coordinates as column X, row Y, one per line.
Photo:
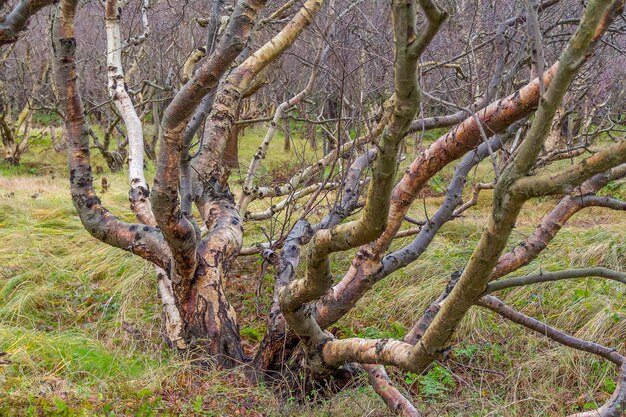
column 80, row 321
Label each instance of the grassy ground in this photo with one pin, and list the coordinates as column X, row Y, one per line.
column 80, row 321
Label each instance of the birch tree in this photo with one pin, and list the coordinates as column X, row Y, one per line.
column 351, row 200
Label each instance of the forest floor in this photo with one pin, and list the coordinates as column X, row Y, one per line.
column 80, row 321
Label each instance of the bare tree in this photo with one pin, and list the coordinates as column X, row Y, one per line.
column 501, row 110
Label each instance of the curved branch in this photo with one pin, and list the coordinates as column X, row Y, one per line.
column 495, row 118
column 349, row 290
column 616, row 405
column 177, row 229
column 394, row 399
column 276, row 341
column 477, row 188
column 506, row 204
column 136, row 40
column 552, row 222
column 474, row 278
column 17, row 20
column 143, row 240
column 400, row 110
column 565, row 180
column 494, row 304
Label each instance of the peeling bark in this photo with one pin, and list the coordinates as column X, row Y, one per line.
column 343, row 296
column 143, row 240
column 396, row 402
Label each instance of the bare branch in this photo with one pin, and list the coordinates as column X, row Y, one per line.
column 507, row 205
column 177, row 229
column 552, row 222
column 246, row 196
column 145, row 241
column 556, row 276
column 17, row 20
column 494, row 304
column 139, row 195
column 564, row 182
column 401, row 109
column 396, row 402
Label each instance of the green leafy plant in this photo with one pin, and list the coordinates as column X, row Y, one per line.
column 437, row 383
column 467, row 351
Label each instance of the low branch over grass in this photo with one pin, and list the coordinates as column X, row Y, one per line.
column 556, row 276
column 394, row 399
column 552, row 222
column 494, row 304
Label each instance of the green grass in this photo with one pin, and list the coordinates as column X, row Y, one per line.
column 65, row 300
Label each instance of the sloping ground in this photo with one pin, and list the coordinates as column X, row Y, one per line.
column 80, row 321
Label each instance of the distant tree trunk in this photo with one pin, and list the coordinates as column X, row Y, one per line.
column 555, row 136
column 8, row 141
column 114, row 158
column 310, row 129
column 329, row 112
column 10, row 133
column 156, row 134
column 287, row 131
column 58, row 143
